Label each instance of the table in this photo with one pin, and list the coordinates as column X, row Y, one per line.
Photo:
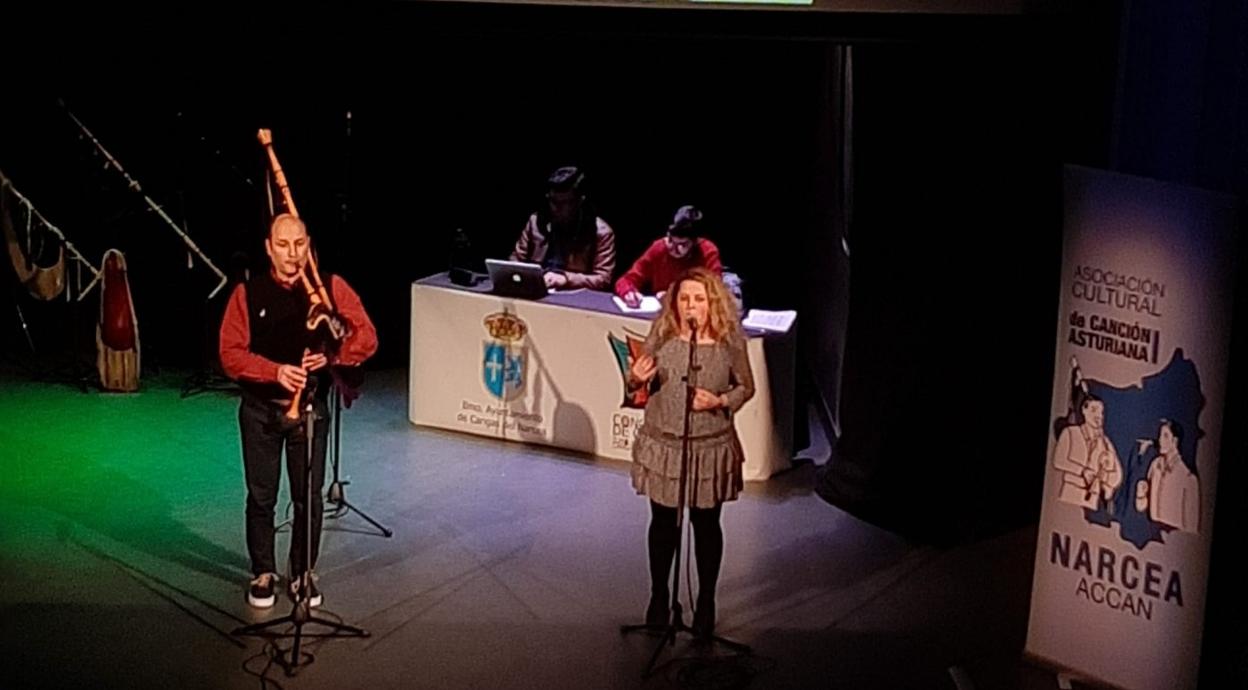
column 551, row 372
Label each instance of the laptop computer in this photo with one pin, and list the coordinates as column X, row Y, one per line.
column 517, row 279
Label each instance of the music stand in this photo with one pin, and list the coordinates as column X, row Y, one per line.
column 336, row 494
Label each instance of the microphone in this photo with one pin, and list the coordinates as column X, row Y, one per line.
column 693, row 366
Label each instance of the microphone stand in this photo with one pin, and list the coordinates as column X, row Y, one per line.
column 301, row 613
column 336, row 494
column 676, row 624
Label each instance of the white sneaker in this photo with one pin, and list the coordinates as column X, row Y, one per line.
column 314, row 599
column 260, row 592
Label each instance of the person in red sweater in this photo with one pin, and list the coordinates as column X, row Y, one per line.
column 266, row 346
column 668, row 257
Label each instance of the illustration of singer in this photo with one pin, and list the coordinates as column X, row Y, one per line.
column 1091, row 471
column 1171, row 492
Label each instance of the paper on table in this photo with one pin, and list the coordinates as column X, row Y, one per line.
column 777, row 321
column 649, row 305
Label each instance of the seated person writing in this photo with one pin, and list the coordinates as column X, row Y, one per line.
column 668, row 257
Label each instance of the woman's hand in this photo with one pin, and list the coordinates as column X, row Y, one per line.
column 555, row 280
column 642, row 370
column 706, row 400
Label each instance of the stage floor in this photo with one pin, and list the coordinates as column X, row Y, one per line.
column 123, row 565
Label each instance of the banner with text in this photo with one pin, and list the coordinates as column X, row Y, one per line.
column 1135, row 428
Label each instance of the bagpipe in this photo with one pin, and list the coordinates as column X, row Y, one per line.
column 1074, row 405
column 328, row 327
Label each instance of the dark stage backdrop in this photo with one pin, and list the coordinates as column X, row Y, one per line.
column 458, row 113
column 447, row 130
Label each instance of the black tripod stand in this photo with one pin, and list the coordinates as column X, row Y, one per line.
column 676, row 623
column 301, row 613
column 337, row 494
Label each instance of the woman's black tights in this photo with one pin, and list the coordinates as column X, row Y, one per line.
column 708, row 546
